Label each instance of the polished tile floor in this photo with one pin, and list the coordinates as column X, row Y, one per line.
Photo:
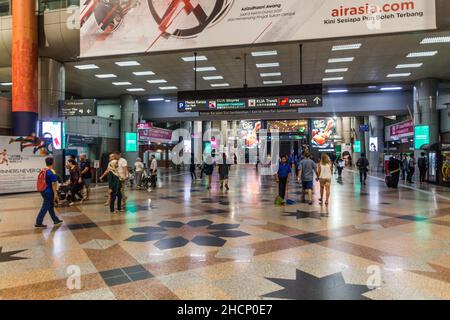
column 183, row 242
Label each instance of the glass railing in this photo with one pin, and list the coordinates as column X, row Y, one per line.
column 4, row 8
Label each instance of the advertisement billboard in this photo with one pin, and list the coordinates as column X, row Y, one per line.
column 138, row 26
column 54, row 130
column 20, row 163
column 421, row 136
column 249, row 132
column 373, row 144
column 300, row 126
column 322, row 131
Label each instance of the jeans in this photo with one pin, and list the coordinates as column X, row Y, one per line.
column 410, row 174
column 363, row 176
column 395, row 179
column 282, row 187
column 138, row 178
column 193, row 175
column 47, row 206
column 75, row 190
column 114, row 196
column 423, row 174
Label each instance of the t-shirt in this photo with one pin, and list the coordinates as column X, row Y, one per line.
column 123, row 166
column 50, row 178
column 307, row 166
column 153, row 165
column 83, row 165
column 139, row 166
column 75, row 176
column 284, row 170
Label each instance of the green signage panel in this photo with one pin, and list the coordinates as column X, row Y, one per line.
column 421, row 136
column 131, row 142
column 357, row 146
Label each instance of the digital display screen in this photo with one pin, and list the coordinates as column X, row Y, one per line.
column 131, row 142
column 322, row 131
column 53, row 130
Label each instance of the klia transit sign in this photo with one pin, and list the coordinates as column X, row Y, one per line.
column 138, row 26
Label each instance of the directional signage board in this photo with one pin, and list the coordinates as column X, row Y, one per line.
column 78, row 108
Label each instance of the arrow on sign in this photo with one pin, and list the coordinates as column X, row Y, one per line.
column 89, row 111
column 317, row 100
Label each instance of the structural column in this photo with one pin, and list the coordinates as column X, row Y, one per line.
column 346, row 130
column 129, row 119
column 52, row 84
column 24, row 68
column 425, row 107
column 376, row 130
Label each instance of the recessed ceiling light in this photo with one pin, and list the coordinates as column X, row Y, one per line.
column 157, row 81
column 391, row 88
column 86, row 66
column 135, row 89
column 398, row 75
column 264, row 53
column 432, row 40
column 213, row 78
column 273, row 82
column 6, row 84
column 338, row 91
column 268, row 65
column 106, row 76
column 122, row 83
column 155, row 99
column 220, row 85
column 333, row 79
column 203, row 69
column 422, row 54
column 144, row 73
column 192, row 59
column 409, row 65
column 347, row 47
column 167, row 100
column 339, row 60
column 128, row 63
column 372, row 87
column 168, row 88
column 271, row 74
column 336, row 70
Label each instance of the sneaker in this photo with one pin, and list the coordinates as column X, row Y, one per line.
column 71, row 204
column 226, row 187
column 58, row 222
column 41, row 226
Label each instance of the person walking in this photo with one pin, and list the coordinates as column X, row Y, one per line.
column 209, row 169
column 363, row 166
column 411, row 168
column 340, row 164
column 75, row 182
column 325, row 173
column 224, row 169
column 124, row 175
column 307, row 169
column 423, row 167
column 153, row 171
column 139, row 170
column 192, row 168
column 405, row 165
column 47, row 183
column 114, row 185
column 282, row 177
column 86, row 174
column 394, row 168
column 104, row 175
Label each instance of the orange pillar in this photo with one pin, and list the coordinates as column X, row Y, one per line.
column 24, row 67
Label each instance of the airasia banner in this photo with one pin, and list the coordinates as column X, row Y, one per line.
column 400, row 130
column 21, row 159
column 136, row 26
column 155, row 135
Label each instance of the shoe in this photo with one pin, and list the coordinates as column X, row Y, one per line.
column 58, row 222
column 320, row 200
column 310, row 203
column 71, row 204
column 106, row 204
column 226, row 187
column 40, row 226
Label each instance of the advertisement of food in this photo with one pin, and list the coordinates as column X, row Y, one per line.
column 322, row 131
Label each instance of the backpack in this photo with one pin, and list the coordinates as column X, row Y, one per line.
column 41, row 180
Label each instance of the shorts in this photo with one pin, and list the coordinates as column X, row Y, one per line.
column 87, row 182
column 307, row 185
column 325, row 182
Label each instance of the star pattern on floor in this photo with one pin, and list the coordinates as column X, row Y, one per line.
column 301, row 214
column 176, row 234
column 308, row 287
column 9, row 256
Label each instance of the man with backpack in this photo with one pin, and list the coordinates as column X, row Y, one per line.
column 363, row 166
column 423, row 167
column 46, row 185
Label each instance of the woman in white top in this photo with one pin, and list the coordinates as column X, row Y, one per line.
column 325, row 170
column 139, row 169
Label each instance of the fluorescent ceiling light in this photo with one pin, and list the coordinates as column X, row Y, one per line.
column 192, row 59
column 421, row 54
column 144, row 73
column 347, row 47
column 122, row 83
column 398, row 75
column 264, row 53
column 272, row 74
column 391, row 88
column 339, row 60
column 372, row 87
column 409, row 65
column 338, row 91
column 213, row 78
column 220, row 85
column 86, row 66
column 155, row 99
column 432, row 40
column 202, row 69
column 333, row 79
column 157, row 81
column 336, row 70
column 273, row 82
column 128, row 63
column 168, row 88
column 135, row 89
column 267, row 65
column 106, row 76
column 167, row 100
column 6, row 84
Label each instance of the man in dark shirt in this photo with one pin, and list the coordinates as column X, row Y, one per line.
column 75, row 182
column 49, row 196
column 363, row 166
column 86, row 174
column 282, row 177
column 423, row 167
